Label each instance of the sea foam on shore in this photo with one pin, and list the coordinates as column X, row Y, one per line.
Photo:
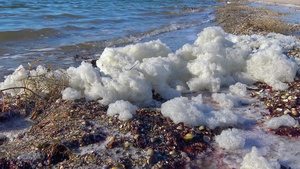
column 216, row 59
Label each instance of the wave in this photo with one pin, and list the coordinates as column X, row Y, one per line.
column 184, row 11
column 72, row 27
column 121, row 41
column 27, row 34
column 64, row 15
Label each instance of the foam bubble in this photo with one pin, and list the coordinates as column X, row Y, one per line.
column 194, row 112
column 285, row 120
column 229, row 139
column 238, row 89
column 216, row 59
column 255, row 160
column 124, row 108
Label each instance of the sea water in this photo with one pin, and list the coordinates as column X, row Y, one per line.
column 56, row 30
column 216, row 61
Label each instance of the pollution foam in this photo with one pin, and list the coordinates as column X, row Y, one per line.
column 127, row 77
column 255, row 160
column 285, row 120
column 229, row 139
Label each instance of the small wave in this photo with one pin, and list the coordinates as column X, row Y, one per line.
column 184, row 11
column 64, row 15
column 122, row 41
column 72, row 27
column 27, row 34
column 42, row 50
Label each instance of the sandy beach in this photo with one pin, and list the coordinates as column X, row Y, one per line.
column 292, row 2
column 57, row 133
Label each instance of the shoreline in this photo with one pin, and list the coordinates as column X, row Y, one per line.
column 82, row 125
column 278, row 2
column 248, row 20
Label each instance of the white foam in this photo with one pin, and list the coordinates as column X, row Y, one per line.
column 238, row 89
column 226, row 101
column 15, row 127
column 126, row 76
column 271, row 66
column 255, row 160
column 216, row 59
column 273, row 148
column 285, row 120
column 15, row 80
column 43, row 49
column 194, row 112
column 19, row 78
column 70, row 94
column 124, row 108
column 229, row 139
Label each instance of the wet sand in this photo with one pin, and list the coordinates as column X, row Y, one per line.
column 79, row 124
column 252, row 20
column 291, row 2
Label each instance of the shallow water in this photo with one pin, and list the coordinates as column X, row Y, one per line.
column 292, row 11
column 174, row 25
column 56, row 30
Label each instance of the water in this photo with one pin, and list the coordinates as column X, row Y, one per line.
column 56, row 30
column 291, row 11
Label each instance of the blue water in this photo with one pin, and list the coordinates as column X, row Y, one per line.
column 292, row 12
column 55, row 30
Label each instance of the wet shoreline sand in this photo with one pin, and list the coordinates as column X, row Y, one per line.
column 53, row 136
column 290, row 2
column 238, row 17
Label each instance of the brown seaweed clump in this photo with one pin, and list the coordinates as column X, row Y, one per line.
column 74, row 134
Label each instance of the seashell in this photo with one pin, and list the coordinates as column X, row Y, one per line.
column 294, row 112
column 276, row 94
column 201, row 128
column 118, row 166
column 172, row 153
column 287, row 111
column 269, row 104
column 126, row 144
column 285, row 100
column 189, row 136
column 179, row 128
column 150, row 151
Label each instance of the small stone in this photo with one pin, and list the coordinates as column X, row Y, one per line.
column 184, row 154
column 294, row 112
column 58, row 101
column 172, row 153
column 179, row 128
column 40, row 165
column 150, row 151
column 206, row 139
column 287, row 111
column 126, row 144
